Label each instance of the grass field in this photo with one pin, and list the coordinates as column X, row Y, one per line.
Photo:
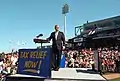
column 112, row 76
column 117, row 79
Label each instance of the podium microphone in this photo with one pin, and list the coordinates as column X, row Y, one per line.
column 40, row 35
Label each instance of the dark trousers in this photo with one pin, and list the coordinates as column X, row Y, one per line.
column 56, row 58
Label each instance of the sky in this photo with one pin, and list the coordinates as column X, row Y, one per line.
column 22, row 20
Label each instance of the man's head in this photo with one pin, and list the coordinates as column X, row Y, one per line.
column 56, row 28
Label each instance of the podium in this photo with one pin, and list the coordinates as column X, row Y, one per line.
column 33, row 64
column 41, row 41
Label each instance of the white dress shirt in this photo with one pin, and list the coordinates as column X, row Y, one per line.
column 56, row 34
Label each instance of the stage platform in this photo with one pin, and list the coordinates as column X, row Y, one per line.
column 71, row 74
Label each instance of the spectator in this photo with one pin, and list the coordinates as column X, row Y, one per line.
column 85, row 58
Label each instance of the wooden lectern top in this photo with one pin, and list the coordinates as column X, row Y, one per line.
column 41, row 40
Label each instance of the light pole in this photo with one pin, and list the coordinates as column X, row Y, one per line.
column 65, row 10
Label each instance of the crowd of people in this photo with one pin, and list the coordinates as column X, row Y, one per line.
column 85, row 58
column 79, row 59
column 8, row 63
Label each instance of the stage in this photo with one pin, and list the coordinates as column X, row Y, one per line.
column 73, row 74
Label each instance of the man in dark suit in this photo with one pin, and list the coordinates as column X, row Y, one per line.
column 58, row 44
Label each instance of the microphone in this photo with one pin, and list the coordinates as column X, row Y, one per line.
column 40, row 35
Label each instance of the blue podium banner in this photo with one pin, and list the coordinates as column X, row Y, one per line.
column 34, row 62
column 62, row 63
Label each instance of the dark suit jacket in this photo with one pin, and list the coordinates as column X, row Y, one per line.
column 59, row 42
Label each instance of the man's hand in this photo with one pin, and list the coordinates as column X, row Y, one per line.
column 63, row 47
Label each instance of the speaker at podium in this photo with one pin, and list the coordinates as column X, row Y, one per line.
column 62, row 63
column 35, row 62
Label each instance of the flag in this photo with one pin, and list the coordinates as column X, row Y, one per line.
column 90, row 32
column 23, row 43
column 93, row 32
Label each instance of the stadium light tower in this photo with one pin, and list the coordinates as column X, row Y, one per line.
column 65, row 10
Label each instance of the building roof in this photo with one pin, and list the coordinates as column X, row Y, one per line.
column 117, row 18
